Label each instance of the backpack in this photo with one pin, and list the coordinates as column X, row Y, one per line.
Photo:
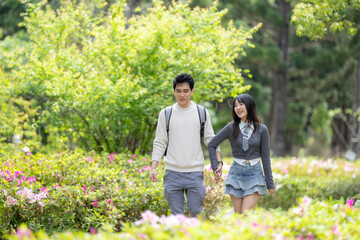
column 202, row 117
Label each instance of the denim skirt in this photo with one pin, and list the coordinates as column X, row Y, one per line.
column 243, row 180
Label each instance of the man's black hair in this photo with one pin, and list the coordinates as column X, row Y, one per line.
column 182, row 78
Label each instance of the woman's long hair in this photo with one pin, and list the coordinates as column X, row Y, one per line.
column 252, row 116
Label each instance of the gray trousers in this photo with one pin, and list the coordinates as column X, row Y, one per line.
column 178, row 184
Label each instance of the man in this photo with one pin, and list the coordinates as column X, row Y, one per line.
column 184, row 160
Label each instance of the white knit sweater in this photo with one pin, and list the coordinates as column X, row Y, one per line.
column 184, row 153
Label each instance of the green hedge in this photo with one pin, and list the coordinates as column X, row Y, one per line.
column 317, row 178
column 82, row 191
column 79, row 191
column 308, row 220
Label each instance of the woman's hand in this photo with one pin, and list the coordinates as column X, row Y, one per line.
column 271, row 191
column 218, row 172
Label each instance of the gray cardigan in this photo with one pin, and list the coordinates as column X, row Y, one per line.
column 259, row 146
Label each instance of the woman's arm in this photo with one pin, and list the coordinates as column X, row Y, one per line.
column 265, row 156
column 215, row 142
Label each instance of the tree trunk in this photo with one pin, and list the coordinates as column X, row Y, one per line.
column 279, row 85
column 354, row 136
column 340, row 135
column 131, row 6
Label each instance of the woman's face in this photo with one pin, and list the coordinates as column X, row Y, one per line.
column 240, row 110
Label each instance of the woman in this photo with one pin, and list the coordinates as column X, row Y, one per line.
column 249, row 140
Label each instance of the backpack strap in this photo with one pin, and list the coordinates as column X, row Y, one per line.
column 202, row 118
column 168, row 112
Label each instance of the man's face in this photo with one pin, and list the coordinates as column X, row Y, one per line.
column 183, row 94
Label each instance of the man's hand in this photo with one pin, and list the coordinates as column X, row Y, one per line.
column 153, row 172
column 153, row 175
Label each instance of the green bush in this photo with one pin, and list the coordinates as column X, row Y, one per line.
column 307, row 220
column 79, row 191
column 82, row 191
column 316, row 178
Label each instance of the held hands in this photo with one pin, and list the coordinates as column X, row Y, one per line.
column 218, row 172
column 271, row 191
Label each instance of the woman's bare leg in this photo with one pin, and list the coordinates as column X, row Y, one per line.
column 237, row 203
column 249, row 202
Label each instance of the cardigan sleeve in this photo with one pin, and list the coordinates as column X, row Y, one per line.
column 215, row 142
column 265, row 156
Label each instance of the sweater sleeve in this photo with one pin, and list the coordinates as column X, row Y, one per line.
column 161, row 138
column 208, row 131
column 215, row 142
column 265, row 157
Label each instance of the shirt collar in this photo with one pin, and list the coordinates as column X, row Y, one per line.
column 242, row 125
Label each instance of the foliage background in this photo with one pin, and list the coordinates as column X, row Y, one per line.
column 97, row 80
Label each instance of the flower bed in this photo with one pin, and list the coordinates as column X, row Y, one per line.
column 82, row 191
column 308, row 220
column 85, row 191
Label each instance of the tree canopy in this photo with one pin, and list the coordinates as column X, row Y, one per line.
column 100, row 79
column 315, row 18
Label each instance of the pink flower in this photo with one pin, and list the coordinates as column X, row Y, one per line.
column 22, row 233
column 10, row 200
column 306, row 201
column 85, row 188
column 254, row 224
column 109, row 200
column 142, row 235
column 31, row 179
column 111, row 158
column 92, row 230
column 7, row 164
column 311, row 237
column 91, row 159
column 27, row 150
column 124, row 171
column 336, row 230
column 145, row 168
column 130, row 161
column 56, row 186
column 95, row 203
column 58, row 176
column 350, row 202
column 44, row 189
column 134, row 156
column 149, row 217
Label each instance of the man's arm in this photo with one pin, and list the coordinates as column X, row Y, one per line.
column 161, row 138
column 153, row 172
column 159, row 146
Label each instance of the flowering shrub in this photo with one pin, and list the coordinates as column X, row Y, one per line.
column 316, row 178
column 84, row 192
column 77, row 191
column 308, row 220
